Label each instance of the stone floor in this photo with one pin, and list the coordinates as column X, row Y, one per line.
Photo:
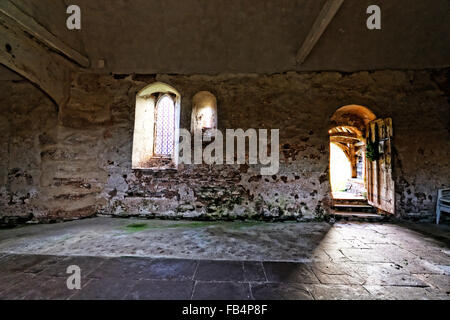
column 151, row 259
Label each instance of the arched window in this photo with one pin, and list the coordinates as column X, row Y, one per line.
column 204, row 112
column 156, row 128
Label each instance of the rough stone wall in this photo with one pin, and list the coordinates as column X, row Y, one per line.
column 26, row 115
column 422, row 142
column 85, row 167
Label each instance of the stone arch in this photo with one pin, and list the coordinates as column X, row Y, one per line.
column 352, row 116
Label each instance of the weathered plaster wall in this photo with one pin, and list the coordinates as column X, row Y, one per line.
column 26, row 114
column 85, row 160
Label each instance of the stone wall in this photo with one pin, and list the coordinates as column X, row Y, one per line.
column 83, row 158
column 27, row 115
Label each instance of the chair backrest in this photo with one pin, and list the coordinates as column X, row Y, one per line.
column 444, row 193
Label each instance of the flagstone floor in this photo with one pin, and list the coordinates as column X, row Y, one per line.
column 151, row 259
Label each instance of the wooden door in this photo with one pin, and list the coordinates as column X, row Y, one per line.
column 379, row 178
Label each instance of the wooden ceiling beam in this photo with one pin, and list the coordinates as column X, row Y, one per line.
column 324, row 18
column 29, row 58
column 344, row 134
column 346, row 140
column 31, row 26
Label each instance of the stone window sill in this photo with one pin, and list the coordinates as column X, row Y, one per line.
column 155, row 169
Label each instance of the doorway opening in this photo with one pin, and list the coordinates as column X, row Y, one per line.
column 347, row 152
column 361, row 152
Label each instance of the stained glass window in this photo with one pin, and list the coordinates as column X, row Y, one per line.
column 165, row 127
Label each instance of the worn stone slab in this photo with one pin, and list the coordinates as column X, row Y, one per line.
column 365, row 255
column 334, row 273
column 48, row 263
column 12, row 279
column 404, row 293
column 419, row 265
column 59, row 269
column 122, row 268
column 280, row 291
column 220, row 271
column 104, row 289
column 437, row 281
column 336, row 255
column 161, row 290
column 170, row 269
column 358, row 244
column 23, row 263
column 221, row 291
column 433, row 255
column 395, row 252
column 38, row 288
column 254, row 271
column 287, row 272
column 388, row 274
column 318, row 255
column 338, row 292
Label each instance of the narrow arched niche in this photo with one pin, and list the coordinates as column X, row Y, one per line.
column 144, row 137
column 204, row 112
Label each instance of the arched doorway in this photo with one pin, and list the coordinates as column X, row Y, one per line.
column 361, row 158
column 347, row 151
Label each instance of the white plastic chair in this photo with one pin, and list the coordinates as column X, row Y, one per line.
column 443, row 203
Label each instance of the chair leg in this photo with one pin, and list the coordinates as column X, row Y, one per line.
column 438, row 213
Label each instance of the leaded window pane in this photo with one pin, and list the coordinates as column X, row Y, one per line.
column 165, row 127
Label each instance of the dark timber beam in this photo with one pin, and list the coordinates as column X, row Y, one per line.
column 32, row 27
column 46, row 69
column 344, row 134
column 344, row 139
column 324, row 18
